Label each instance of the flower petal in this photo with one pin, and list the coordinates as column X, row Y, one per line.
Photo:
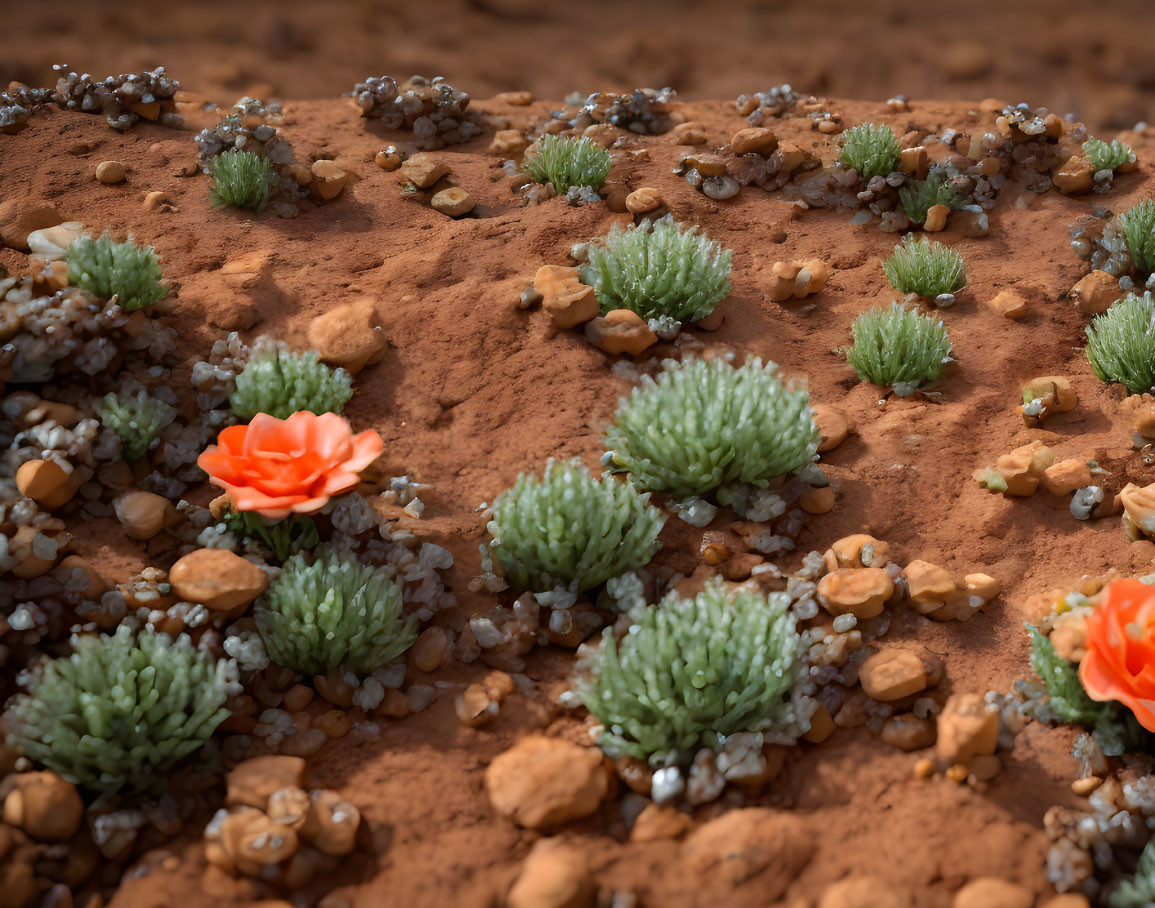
column 367, row 447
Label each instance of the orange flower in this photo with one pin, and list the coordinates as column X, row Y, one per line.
column 1120, row 660
column 279, row 467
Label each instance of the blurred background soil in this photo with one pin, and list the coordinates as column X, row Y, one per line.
column 1090, row 58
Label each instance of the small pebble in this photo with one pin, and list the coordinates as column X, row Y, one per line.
column 453, row 201
column 110, row 172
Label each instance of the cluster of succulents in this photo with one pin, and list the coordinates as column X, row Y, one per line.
column 919, row 196
column 569, row 530
column 107, row 269
column 328, row 611
column 242, row 179
column 693, row 671
column 1121, row 343
column 120, row 711
column 124, row 100
column 1137, row 225
column 566, row 163
column 658, row 270
column 703, row 425
column 277, row 381
column 432, row 108
column 251, row 125
column 924, row 267
column 137, row 418
column 898, row 348
column 870, row 149
column 1108, row 155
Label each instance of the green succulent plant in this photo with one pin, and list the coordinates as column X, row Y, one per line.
column 1137, row 891
column 658, row 269
column 279, row 382
column 1121, row 343
column 120, row 711
column 1137, row 225
column 898, row 346
column 690, row 672
column 242, row 179
column 567, row 162
column 137, row 418
column 571, row 530
column 332, row 611
column 701, row 425
column 1108, row 155
column 106, row 268
column 870, row 149
column 919, row 196
column 925, row 267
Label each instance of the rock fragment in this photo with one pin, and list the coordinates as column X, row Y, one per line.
column 329, row 179
column 861, row 592
column 542, row 782
column 45, row 806
column 892, row 674
column 621, row 331
column 110, row 172
column 348, row 335
column 751, row 849
column 453, row 202
column 423, row 170
column 568, row 301
column 966, row 728
column 143, row 514
column 555, row 875
column 1096, row 292
column 1008, row 304
column 218, row 579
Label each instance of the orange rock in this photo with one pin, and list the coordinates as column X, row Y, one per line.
column 1075, row 176
column 929, row 585
column 1096, row 292
column 1066, row 476
column 754, row 140
column 542, row 782
column 348, row 335
column 1008, row 304
column 657, row 822
column 509, row 143
column 555, row 875
column 217, row 579
column 857, row 550
column 644, row 200
column 914, row 162
column 568, row 301
column 936, row 217
column 892, row 674
column 46, row 482
column 252, row 781
column 833, row 426
column 453, row 202
column 908, row 732
column 818, row 501
column 861, row 592
column 990, row 892
column 44, row 805
column 821, row 726
column 423, row 170
column 966, row 728
column 621, row 331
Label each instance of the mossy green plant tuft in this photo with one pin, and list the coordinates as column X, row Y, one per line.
column 658, row 269
column 1121, row 343
column 120, row 711
column 701, row 425
column 279, row 382
column 332, row 611
column 242, row 179
column 898, row 347
column 567, row 162
column 106, row 268
column 137, row 418
column 1108, row 155
column 1137, row 224
column 919, row 196
column 870, row 149
column 925, row 267
column 570, row 530
column 691, row 672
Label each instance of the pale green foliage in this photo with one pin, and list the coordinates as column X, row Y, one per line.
column 567, row 162
column 137, row 418
column 120, row 711
column 1107, row 155
column 898, row 346
column 332, row 611
column 1139, row 890
column 571, row 530
column 702, row 425
column 658, row 269
column 919, row 196
column 870, row 149
column 1138, row 227
column 925, row 267
column 1121, row 343
column 242, row 179
column 692, row 671
column 106, row 269
column 280, row 382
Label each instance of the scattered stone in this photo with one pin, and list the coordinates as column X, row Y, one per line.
column 914, row 162
column 423, row 170
column 253, row 841
column 45, row 806
column 331, row 824
column 929, row 586
column 644, row 200
column 892, row 674
column 1021, row 470
column 621, row 331
column 555, row 875
column 821, row 726
column 990, row 892
column 110, row 172
column 217, row 579
column 984, row 586
column 861, row 592
column 1077, row 175
column 453, row 202
column 833, row 426
column 924, row 768
column 1008, row 304
column 348, row 335
column 1096, row 292
column 329, row 179
column 157, row 200
column 657, row 822
column 1138, row 510
column 985, row 767
column 689, row 134
column 46, row 482
column 1067, row 476
column 754, row 140
column 431, row 649
column 515, row 98
column 143, row 514
column 542, row 782
column 796, row 280
column 388, row 159
column 966, row 729
column 253, row 781
column 908, row 732
column 855, row 551
column 17, row 222
column 866, row 892
column 818, row 501
column 1055, row 391
column 509, row 143
column 936, row 217
column 756, row 849
column 97, row 585
column 1066, row 900
column 474, row 706
column 568, row 301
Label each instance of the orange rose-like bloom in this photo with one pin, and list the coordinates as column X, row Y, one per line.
column 1120, row 660
column 279, row 467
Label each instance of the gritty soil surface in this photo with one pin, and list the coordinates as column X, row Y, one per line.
column 472, row 391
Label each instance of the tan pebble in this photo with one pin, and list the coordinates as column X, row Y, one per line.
column 348, row 335
column 821, row 726
column 914, row 162
column 252, row 781
column 864, row 892
column 1069, row 636
column 984, row 586
column 1086, row 785
column 966, row 728
column 1023, row 468
column 957, row 773
column 797, row 280
column 708, row 165
column 857, row 550
column 331, row 824
column 644, row 200
column 431, row 649
column 712, row 321
column 829, row 127
column 387, row 160
column 44, row 805
column 1067, row 476
column 936, row 217
column 689, row 134
column 833, row 426
column 1096, row 292
column 657, row 822
column 297, row 697
column 255, row 842
column 542, row 782
column 143, row 514
column 474, row 706
column 509, row 143
column 423, row 170
column 335, row 723
column 110, row 172
column 924, row 768
column 1139, row 508
column 754, row 140
column 861, row 592
column 756, row 851
column 515, row 98
column 334, row 688
column 1008, row 304
column 217, row 579
column 453, row 202
column 988, row 167
column 156, row 199
column 985, row 767
column 908, row 732
column 45, row 482
column 289, row 807
column 568, row 301
column 621, row 331
column 24, row 545
column 990, row 892
column 555, row 875
column 1143, row 420
column 329, row 179
column 817, row 501
column 395, row 704
column 929, row 585
column 499, row 684
column 1075, row 176
column 892, row 674
column 738, row 567
column 1063, row 396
